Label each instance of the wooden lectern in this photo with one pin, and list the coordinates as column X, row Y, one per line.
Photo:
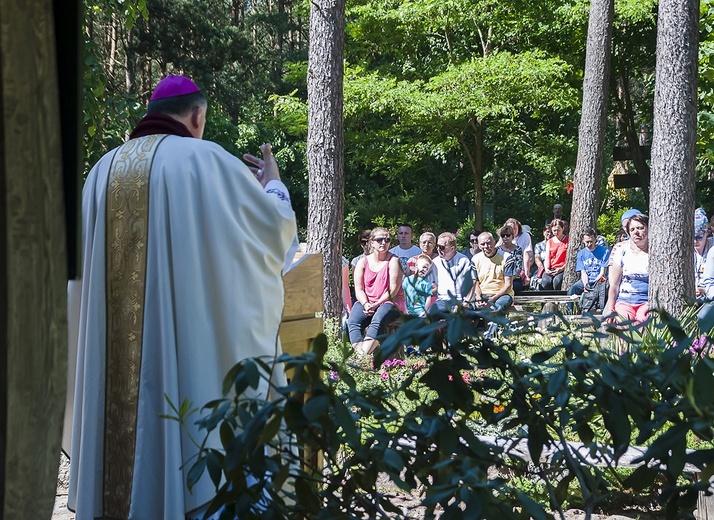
column 303, row 300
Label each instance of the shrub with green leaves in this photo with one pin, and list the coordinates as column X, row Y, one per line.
column 571, row 389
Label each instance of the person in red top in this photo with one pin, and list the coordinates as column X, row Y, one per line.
column 555, row 251
column 380, row 298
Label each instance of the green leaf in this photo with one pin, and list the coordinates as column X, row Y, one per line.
column 704, row 383
column 537, row 438
column 585, row 433
column 706, row 318
column 642, row 478
column 316, row 407
column 393, row 460
column 226, row 434
column 557, row 381
column 534, row 509
column 561, row 490
column 270, row 430
column 544, row 355
column 319, row 347
column 194, row 474
column 230, row 377
column 307, row 496
column 215, row 469
column 617, row 423
column 347, row 422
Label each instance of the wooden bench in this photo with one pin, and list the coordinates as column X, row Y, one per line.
column 542, row 302
column 545, row 301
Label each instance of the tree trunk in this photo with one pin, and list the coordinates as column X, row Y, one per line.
column 671, row 278
column 33, row 261
column 325, row 144
column 131, row 62
column 591, row 138
column 475, row 158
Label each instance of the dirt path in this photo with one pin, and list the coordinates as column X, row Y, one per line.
column 409, row 504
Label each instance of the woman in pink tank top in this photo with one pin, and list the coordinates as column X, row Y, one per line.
column 378, row 288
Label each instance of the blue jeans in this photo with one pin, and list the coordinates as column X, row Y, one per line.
column 552, row 282
column 500, row 306
column 576, row 288
column 375, row 324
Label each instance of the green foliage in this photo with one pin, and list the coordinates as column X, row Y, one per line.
column 705, row 116
column 102, row 133
column 419, row 427
column 419, row 76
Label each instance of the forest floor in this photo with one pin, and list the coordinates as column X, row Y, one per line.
column 408, row 503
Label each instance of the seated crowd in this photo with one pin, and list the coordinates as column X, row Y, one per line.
column 435, row 276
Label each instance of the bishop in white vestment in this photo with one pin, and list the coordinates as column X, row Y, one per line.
column 183, row 251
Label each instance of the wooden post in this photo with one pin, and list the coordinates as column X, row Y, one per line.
column 705, row 504
column 33, row 277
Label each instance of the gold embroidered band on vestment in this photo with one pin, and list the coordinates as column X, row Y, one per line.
column 127, row 221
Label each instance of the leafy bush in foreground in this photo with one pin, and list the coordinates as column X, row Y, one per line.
column 574, row 390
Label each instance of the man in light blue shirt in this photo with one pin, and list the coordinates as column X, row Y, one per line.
column 592, row 263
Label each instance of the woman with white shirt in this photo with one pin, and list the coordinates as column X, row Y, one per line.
column 629, row 274
column 702, row 244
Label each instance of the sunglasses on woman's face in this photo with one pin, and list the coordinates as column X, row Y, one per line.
column 381, row 239
column 505, row 235
column 474, row 240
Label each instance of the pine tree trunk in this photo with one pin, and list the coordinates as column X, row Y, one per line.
column 474, row 155
column 591, row 138
column 325, row 143
column 671, row 225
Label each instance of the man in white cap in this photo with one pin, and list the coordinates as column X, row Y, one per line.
column 183, row 251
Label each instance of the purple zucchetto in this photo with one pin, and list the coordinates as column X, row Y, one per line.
column 172, row 86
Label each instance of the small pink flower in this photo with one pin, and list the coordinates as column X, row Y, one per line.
column 384, row 375
column 333, row 375
column 387, row 363
column 466, row 377
column 700, row 345
column 451, row 378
